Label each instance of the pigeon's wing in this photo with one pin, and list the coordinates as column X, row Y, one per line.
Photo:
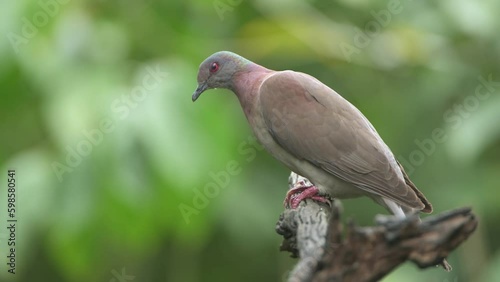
column 314, row 123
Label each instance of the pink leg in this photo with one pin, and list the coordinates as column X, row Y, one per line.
column 299, row 193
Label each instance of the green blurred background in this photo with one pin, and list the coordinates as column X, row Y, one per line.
column 111, row 155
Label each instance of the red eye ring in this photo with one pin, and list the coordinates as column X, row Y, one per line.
column 214, row 67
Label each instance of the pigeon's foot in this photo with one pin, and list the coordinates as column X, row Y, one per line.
column 301, row 192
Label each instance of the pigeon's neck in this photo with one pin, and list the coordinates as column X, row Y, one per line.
column 246, row 84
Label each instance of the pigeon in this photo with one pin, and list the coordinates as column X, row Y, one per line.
column 314, row 132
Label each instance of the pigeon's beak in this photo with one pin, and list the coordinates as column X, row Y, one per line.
column 201, row 88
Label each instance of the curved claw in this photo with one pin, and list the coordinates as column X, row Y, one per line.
column 297, row 194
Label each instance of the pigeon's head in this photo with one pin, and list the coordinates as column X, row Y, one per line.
column 217, row 71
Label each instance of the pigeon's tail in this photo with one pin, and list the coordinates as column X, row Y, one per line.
column 427, row 205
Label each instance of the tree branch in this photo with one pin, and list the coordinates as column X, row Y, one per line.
column 313, row 232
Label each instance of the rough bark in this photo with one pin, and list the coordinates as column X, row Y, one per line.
column 314, row 233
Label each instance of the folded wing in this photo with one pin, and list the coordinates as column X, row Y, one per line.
column 314, row 123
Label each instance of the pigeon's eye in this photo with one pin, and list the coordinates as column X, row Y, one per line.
column 214, row 67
